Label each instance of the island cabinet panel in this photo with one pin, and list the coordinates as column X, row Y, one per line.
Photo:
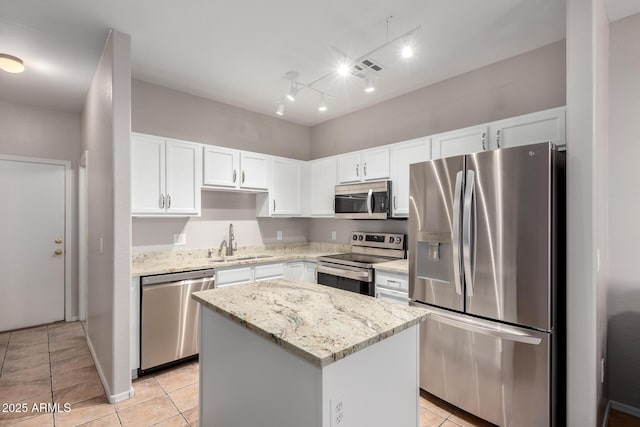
column 249, row 380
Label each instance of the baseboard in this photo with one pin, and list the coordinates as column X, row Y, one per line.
column 627, row 409
column 607, row 412
column 112, row 398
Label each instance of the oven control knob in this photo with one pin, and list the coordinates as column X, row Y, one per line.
column 360, row 237
column 391, row 239
column 355, row 237
column 398, row 240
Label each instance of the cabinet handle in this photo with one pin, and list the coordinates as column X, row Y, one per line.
column 498, row 138
column 365, row 169
column 58, row 241
column 396, row 282
column 168, row 201
column 395, row 205
column 358, row 170
column 274, row 205
column 234, row 176
column 58, row 252
column 484, row 140
column 162, row 201
column 242, row 177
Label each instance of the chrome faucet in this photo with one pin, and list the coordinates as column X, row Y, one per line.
column 232, row 238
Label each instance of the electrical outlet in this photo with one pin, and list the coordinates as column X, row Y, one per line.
column 180, row 239
column 279, row 235
column 333, row 235
column 101, row 245
column 337, row 412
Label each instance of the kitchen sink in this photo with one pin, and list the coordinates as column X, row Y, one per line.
column 239, row 258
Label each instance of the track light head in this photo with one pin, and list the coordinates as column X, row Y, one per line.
column 322, row 107
column 280, row 110
column 369, row 87
column 291, row 96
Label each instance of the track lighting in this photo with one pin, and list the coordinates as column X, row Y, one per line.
column 291, row 96
column 280, row 110
column 11, row 64
column 322, row 107
column 369, row 87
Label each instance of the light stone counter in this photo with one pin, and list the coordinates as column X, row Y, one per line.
column 316, row 322
column 397, row 266
column 162, row 262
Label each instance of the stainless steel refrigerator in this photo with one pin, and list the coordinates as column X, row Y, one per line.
column 486, row 258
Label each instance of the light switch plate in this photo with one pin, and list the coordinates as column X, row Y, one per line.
column 333, row 235
column 279, row 235
column 180, row 239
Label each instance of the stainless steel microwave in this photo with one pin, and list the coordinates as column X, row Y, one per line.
column 367, row 200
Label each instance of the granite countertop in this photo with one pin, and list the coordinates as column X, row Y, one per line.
column 397, row 266
column 317, row 322
column 174, row 262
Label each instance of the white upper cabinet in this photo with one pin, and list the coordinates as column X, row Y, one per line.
column 229, row 169
column 322, row 184
column 366, row 165
column 285, row 190
column 221, row 167
column 458, row 142
column 543, row 126
column 165, row 177
column 402, row 155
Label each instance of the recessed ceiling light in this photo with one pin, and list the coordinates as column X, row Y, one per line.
column 369, row 87
column 11, row 64
column 407, row 51
column 343, row 69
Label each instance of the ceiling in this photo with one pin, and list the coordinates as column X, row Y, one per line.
column 236, row 52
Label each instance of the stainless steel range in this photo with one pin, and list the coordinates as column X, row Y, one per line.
column 354, row 271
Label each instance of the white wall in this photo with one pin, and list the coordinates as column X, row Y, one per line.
column 624, row 210
column 40, row 132
column 587, row 126
column 105, row 134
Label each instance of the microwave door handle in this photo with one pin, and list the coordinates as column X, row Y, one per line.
column 457, row 197
column 467, row 220
column 370, row 202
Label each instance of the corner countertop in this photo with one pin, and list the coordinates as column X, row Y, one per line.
column 398, row 266
column 317, row 322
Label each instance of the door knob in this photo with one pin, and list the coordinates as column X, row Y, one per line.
column 58, row 252
column 58, row 241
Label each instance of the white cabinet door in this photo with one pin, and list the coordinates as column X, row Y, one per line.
column 254, row 171
column 268, row 271
column 147, row 175
column 286, row 187
column 322, row 184
column 233, row 276
column 459, row 142
column 543, row 126
column 349, row 169
column 310, row 272
column 221, row 167
column 295, row 271
column 375, row 164
column 402, row 155
column 184, row 171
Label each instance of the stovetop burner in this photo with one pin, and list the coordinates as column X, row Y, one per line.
column 370, row 248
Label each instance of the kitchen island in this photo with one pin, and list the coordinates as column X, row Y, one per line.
column 284, row 353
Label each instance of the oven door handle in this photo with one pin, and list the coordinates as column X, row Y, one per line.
column 369, row 202
column 363, row 275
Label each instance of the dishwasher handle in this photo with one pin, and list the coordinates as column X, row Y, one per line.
column 177, row 277
column 187, row 282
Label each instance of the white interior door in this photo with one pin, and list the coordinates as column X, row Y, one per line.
column 33, row 251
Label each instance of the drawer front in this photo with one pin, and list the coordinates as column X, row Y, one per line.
column 392, row 281
column 269, row 271
column 233, row 276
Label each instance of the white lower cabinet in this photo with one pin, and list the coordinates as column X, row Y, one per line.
column 304, row 271
column 241, row 275
column 268, row 271
column 392, row 287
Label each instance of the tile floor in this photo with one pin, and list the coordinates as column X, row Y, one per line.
column 52, row 364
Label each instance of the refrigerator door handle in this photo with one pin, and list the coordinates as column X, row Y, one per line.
column 468, row 210
column 457, row 197
column 498, row 332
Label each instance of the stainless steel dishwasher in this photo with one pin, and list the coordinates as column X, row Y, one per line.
column 169, row 317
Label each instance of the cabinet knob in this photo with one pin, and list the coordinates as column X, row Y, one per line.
column 168, row 201
column 162, row 201
column 274, row 205
column 243, row 177
column 58, row 241
column 365, row 169
column 58, row 252
column 358, row 170
column 234, row 176
column 498, row 138
column 395, row 205
column 484, row 140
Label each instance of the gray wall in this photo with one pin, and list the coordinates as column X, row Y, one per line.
column 624, row 210
column 587, row 130
column 105, row 134
column 39, row 132
column 166, row 112
column 522, row 84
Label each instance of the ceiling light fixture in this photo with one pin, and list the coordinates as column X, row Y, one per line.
column 343, row 69
column 369, row 87
column 291, row 96
column 280, row 110
column 407, row 51
column 322, row 107
column 11, row 64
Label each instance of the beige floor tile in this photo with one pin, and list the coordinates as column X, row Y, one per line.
column 39, row 331
column 65, row 335
column 22, row 391
column 42, row 420
column 177, row 421
column 465, row 419
column 84, row 412
column 28, row 339
column 67, row 343
column 25, row 374
column 435, row 404
column 185, row 398
column 144, row 389
column 111, row 420
column 18, row 351
column 10, row 418
column 70, row 352
column 429, row 419
column 449, row 424
column 62, row 327
column 4, row 338
column 71, row 364
column 31, row 361
column 79, row 392
column 77, row 376
column 148, row 413
column 192, row 416
column 178, row 377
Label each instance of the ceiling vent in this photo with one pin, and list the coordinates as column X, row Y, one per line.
column 366, row 65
